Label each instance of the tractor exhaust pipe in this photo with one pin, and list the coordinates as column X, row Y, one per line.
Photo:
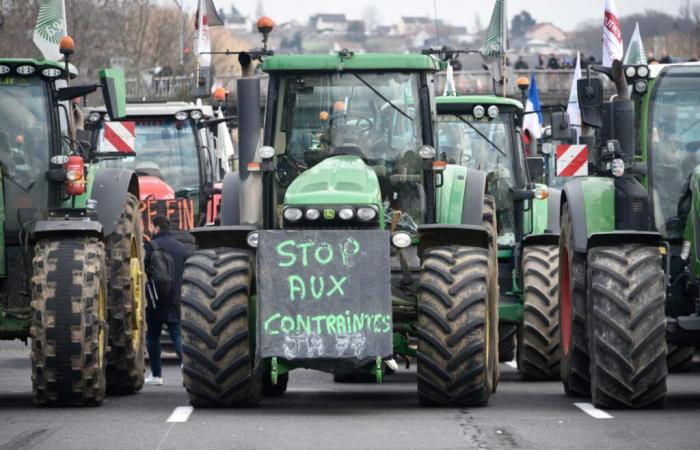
column 249, row 126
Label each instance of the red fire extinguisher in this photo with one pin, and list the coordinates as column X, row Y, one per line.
column 75, row 175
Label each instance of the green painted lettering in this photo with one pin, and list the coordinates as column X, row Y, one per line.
column 358, row 322
column 287, row 325
column 330, row 324
column 304, row 255
column 296, row 284
column 337, row 286
column 318, row 320
column 375, row 327
column 269, row 320
column 340, row 324
column 329, row 254
column 303, row 323
column 316, row 294
column 387, row 323
column 280, row 251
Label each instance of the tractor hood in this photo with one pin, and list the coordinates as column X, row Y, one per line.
column 153, row 188
column 344, row 180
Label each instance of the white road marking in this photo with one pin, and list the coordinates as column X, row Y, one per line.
column 593, row 411
column 513, row 364
column 180, row 414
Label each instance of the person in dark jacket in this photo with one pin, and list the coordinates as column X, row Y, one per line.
column 165, row 311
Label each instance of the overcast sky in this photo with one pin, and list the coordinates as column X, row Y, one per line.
column 564, row 13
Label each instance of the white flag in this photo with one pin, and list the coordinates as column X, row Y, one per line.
column 449, row 81
column 635, row 50
column 573, row 109
column 612, row 36
column 50, row 28
column 202, row 39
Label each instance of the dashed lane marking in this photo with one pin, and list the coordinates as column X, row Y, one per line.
column 593, row 411
column 180, row 414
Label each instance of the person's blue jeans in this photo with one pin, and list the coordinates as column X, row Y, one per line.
column 155, row 327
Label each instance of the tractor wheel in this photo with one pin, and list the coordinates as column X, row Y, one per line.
column 575, row 361
column 453, row 327
column 489, row 222
column 68, row 322
column 539, row 352
column 218, row 362
column 680, row 359
column 627, row 326
column 125, row 304
column 507, row 335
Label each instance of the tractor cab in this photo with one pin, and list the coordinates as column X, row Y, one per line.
column 173, row 152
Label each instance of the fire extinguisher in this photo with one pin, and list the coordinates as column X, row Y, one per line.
column 75, row 175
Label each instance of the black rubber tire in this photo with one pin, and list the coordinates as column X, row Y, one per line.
column 507, row 336
column 575, row 361
column 126, row 312
column 453, row 327
column 626, row 298
column 68, row 322
column 680, row 359
column 219, row 358
column 539, row 351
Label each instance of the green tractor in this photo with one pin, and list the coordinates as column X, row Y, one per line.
column 482, row 132
column 616, row 245
column 345, row 241
column 71, row 260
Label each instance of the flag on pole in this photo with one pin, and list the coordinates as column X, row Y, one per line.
column 635, row 51
column 50, row 28
column 573, row 108
column 533, row 121
column 450, row 88
column 202, row 39
column 612, row 36
column 496, row 44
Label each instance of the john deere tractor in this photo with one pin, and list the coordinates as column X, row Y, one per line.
column 483, row 132
column 348, row 243
column 613, row 252
column 70, row 248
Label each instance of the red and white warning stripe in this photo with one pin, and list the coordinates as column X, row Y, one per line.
column 120, row 137
column 572, row 160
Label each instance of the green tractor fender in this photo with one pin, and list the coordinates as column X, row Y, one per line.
column 460, row 203
column 591, row 203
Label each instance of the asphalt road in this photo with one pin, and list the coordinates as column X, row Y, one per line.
column 316, row 413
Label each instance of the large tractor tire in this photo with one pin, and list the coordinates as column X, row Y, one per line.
column 627, row 326
column 219, row 358
column 68, row 322
column 453, row 327
column 126, row 304
column 539, row 352
column 680, row 359
column 507, row 337
column 575, row 361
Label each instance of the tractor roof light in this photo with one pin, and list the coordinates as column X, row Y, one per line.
column 265, row 25
column 196, row 114
column 523, row 83
column 366, row 213
column 427, row 152
column 66, row 46
column 617, row 167
column 25, row 69
column 4, row 70
column 51, row 72
column 266, row 152
column 479, row 112
column 493, row 111
column 643, row 71
column 401, row 239
column 630, row 71
column 640, row 86
column 253, row 239
column 219, row 94
column 181, row 115
column 292, row 214
column 94, row 117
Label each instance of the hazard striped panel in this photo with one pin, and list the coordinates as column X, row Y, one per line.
column 119, row 137
column 572, row 160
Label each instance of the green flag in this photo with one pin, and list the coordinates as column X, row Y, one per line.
column 635, row 51
column 50, row 28
column 495, row 43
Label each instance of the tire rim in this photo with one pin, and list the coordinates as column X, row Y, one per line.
column 136, row 276
column 565, row 302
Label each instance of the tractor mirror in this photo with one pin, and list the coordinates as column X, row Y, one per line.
column 590, row 98
column 114, row 92
column 561, row 126
column 535, row 167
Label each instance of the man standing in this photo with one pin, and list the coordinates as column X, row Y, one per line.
column 163, row 309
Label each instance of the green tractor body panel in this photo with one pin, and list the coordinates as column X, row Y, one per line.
column 450, row 196
column 358, row 62
column 538, row 216
column 344, row 180
column 599, row 204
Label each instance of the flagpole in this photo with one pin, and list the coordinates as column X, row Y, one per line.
column 504, row 26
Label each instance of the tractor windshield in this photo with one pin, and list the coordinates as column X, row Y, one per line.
column 485, row 145
column 674, row 145
column 163, row 148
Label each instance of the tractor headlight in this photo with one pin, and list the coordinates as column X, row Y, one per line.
column 401, row 239
column 478, row 112
column 630, row 71
column 94, row 117
column 312, row 214
column 346, row 213
column 643, row 71
column 51, row 72
column 640, row 86
column 181, row 115
column 252, row 239
column 25, row 70
column 266, row 152
column 366, row 213
column 618, row 167
column 493, row 111
column 4, row 70
column 292, row 214
column 196, row 114
column 427, row 152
